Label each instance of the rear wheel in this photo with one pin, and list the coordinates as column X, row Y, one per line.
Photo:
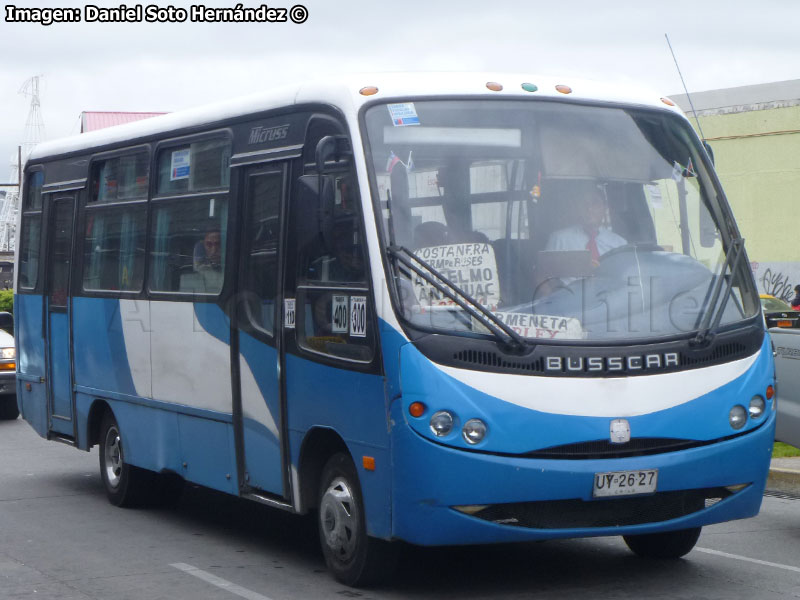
column 670, row 544
column 8, row 408
column 125, row 484
column 352, row 556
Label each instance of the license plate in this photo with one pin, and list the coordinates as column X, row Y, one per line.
column 624, row 483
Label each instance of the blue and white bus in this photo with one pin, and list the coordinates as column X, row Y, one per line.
column 438, row 308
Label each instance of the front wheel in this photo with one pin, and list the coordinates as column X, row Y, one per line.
column 352, row 556
column 670, row 544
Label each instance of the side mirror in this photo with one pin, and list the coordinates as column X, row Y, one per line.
column 7, row 322
column 331, row 147
column 314, row 208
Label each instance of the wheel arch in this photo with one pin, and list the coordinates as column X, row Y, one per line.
column 96, row 412
column 319, row 444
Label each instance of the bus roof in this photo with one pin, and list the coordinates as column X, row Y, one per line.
column 344, row 93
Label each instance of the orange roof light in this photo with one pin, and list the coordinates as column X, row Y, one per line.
column 564, row 89
column 369, row 90
column 668, row 102
column 494, row 86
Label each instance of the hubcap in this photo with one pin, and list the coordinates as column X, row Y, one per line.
column 339, row 519
column 113, row 457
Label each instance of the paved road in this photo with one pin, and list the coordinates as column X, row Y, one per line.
column 59, row 538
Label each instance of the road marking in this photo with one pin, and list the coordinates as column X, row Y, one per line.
column 220, row 582
column 752, row 560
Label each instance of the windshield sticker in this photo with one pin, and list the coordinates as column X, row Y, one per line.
column 339, row 314
column 471, row 267
column 543, row 326
column 179, row 169
column 403, row 114
column 358, row 316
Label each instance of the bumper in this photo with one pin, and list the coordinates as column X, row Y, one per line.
column 430, row 479
column 8, row 384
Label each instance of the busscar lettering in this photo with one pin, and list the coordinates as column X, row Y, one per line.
column 43, row 16
column 595, row 364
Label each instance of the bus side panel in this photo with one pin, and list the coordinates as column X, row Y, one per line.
column 352, row 404
column 151, row 434
column 111, row 345
column 31, row 361
column 208, row 453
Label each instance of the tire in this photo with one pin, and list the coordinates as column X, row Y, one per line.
column 670, row 544
column 354, row 558
column 8, row 408
column 125, row 485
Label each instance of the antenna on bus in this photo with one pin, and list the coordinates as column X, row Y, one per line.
column 694, row 112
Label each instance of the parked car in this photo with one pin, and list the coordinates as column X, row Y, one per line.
column 778, row 313
column 8, row 368
column 786, row 343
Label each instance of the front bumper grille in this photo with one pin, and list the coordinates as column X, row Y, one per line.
column 612, row 512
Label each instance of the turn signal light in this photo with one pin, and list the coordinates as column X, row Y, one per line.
column 416, row 409
column 770, row 392
column 8, row 366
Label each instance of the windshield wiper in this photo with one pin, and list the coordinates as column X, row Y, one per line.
column 486, row 317
column 715, row 310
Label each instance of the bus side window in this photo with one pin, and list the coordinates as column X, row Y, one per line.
column 30, row 242
column 188, row 248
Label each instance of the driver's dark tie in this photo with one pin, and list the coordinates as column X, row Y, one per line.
column 591, row 245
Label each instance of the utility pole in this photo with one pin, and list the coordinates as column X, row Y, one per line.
column 34, row 133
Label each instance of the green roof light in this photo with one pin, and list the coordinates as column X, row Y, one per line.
column 529, row 87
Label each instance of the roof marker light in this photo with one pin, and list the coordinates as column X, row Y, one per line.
column 668, row 102
column 529, row 87
column 494, row 86
column 564, row 89
column 369, row 90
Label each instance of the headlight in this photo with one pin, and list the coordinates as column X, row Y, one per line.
column 757, row 406
column 441, row 423
column 8, row 352
column 474, row 431
column 737, row 417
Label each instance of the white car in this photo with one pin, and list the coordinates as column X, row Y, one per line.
column 8, row 386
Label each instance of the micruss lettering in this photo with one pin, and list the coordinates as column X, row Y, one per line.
column 43, row 16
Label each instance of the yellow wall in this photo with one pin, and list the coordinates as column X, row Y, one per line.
column 761, row 178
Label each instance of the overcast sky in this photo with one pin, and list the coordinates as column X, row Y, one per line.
column 167, row 67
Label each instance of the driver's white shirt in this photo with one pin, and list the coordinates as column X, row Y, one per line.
column 576, row 238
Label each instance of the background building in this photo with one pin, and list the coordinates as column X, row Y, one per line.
column 754, row 132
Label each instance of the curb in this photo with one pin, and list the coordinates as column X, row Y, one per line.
column 783, row 480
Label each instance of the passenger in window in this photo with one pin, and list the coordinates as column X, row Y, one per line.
column 208, row 255
column 206, row 276
column 592, row 233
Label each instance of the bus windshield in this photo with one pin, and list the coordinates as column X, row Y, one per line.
column 567, row 221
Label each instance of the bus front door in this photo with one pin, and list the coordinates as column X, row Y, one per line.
column 59, row 357
column 261, row 408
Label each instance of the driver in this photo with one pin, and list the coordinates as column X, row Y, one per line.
column 592, row 233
